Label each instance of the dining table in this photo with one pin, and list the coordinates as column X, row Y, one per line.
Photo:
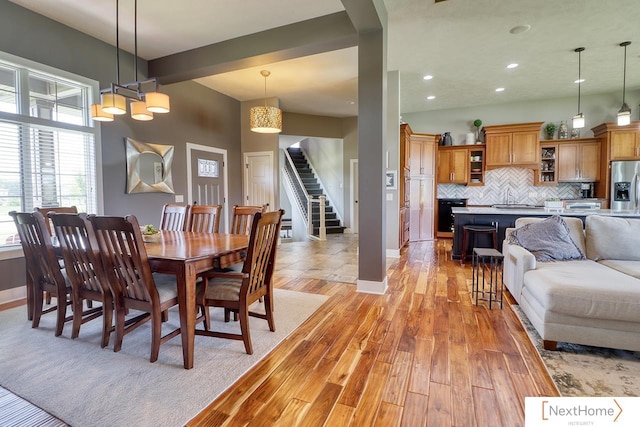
column 185, row 254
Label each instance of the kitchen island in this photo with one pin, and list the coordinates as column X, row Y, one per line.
column 505, row 217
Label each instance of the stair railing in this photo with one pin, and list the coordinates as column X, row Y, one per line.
column 304, row 200
column 322, row 230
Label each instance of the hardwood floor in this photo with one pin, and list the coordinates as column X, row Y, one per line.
column 421, row 355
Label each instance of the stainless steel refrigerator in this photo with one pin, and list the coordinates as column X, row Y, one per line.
column 625, row 185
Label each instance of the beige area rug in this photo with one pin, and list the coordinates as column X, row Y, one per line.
column 581, row 370
column 84, row 385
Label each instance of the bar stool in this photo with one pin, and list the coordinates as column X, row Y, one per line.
column 474, row 230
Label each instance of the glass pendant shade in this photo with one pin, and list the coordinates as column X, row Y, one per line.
column 578, row 121
column 99, row 115
column 265, row 119
column 113, row 103
column 139, row 111
column 157, row 102
column 624, row 115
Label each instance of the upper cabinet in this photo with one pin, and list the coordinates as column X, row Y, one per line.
column 512, row 145
column 453, row 163
column 622, row 142
column 579, row 161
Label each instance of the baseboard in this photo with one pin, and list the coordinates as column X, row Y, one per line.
column 13, row 294
column 370, row 287
column 393, row 253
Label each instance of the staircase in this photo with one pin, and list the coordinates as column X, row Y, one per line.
column 312, row 186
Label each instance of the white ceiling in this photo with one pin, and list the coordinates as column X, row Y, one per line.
column 464, row 44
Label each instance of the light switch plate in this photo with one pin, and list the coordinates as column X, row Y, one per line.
column 179, row 198
column 389, row 196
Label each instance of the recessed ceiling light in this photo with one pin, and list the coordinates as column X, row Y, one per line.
column 514, row 65
column 428, row 77
column 500, row 89
column 518, row 29
column 430, row 97
column 579, row 81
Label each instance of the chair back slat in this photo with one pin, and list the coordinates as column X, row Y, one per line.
column 174, row 217
column 125, row 257
column 204, row 218
column 261, row 252
column 243, row 217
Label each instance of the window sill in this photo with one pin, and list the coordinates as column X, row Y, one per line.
column 11, row 252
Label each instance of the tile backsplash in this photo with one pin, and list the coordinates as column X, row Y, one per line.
column 499, row 183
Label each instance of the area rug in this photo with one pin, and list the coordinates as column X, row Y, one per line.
column 84, row 385
column 582, row 370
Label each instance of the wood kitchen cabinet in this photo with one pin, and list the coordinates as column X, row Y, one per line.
column 453, row 165
column 422, row 187
column 578, row 161
column 404, row 178
column 621, row 142
column 512, row 145
column 617, row 143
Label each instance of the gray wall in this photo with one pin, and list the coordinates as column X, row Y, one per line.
column 596, row 108
column 198, row 115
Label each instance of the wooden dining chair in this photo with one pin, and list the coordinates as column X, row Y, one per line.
column 83, row 266
column 237, row 291
column 242, row 217
column 241, row 220
column 59, row 209
column 174, row 217
column 43, row 269
column 45, row 213
column 134, row 287
column 204, row 218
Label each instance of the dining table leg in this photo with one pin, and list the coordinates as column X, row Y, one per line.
column 186, row 280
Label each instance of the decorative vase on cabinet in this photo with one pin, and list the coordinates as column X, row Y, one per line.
column 563, row 130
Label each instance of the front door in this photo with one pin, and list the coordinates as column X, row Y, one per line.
column 259, row 179
column 207, row 177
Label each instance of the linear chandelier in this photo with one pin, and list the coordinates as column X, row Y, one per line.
column 265, row 119
column 144, row 95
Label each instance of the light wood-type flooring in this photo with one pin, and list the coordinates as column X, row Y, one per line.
column 421, row 355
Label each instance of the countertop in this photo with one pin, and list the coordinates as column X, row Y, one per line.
column 541, row 211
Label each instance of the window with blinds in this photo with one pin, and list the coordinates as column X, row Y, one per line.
column 48, row 146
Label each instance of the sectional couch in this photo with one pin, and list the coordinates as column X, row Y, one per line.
column 592, row 299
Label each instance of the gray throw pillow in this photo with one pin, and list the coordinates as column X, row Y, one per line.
column 547, row 240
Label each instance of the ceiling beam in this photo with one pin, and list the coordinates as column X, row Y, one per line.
column 318, row 35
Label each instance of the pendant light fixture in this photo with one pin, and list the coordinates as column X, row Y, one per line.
column 578, row 119
column 624, row 114
column 144, row 95
column 265, row 119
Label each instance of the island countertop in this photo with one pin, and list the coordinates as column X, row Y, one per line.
column 541, row 211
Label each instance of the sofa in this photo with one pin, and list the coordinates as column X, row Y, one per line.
column 589, row 297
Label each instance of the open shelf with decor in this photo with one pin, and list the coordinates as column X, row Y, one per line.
column 546, row 174
column 476, row 166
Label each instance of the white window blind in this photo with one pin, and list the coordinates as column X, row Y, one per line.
column 48, row 151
